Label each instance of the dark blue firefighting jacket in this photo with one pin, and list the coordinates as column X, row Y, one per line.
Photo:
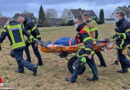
column 123, row 28
column 85, row 41
column 15, row 34
column 32, row 29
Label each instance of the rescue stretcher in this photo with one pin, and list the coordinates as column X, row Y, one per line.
column 63, row 51
column 104, row 45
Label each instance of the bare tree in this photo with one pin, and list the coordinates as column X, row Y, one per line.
column 65, row 15
column 51, row 13
column 1, row 14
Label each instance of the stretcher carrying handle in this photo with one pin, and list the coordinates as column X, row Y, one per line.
column 62, row 54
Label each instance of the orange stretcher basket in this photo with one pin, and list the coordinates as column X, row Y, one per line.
column 101, row 46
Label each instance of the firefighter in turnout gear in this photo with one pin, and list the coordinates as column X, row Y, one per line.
column 122, row 37
column 33, row 30
column 85, row 52
column 94, row 33
column 15, row 34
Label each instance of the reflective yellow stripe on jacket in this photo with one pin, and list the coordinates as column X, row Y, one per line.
column 128, row 30
column 14, row 44
column 123, row 40
column 94, row 29
column 29, row 31
column 88, row 31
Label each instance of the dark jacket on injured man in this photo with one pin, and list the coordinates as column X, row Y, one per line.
column 64, row 41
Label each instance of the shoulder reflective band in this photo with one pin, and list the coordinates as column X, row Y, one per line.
column 128, row 30
column 34, row 28
column 14, row 27
column 86, row 29
column 86, row 39
column 38, row 36
column 3, row 30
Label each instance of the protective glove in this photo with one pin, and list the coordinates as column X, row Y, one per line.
column 32, row 39
column 83, row 59
column 41, row 43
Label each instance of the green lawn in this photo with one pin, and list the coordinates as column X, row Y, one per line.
column 52, row 75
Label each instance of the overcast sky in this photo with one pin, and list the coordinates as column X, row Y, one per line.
column 10, row 7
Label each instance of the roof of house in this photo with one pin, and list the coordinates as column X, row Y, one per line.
column 79, row 12
column 3, row 20
column 90, row 12
column 25, row 14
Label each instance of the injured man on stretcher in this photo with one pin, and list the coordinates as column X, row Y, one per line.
column 64, row 41
column 67, row 44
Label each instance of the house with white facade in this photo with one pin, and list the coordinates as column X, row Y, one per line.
column 72, row 14
column 109, row 21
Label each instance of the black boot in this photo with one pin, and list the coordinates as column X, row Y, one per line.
column 116, row 62
column 29, row 60
column 35, row 70
column 122, row 71
column 70, row 80
column 92, row 79
column 40, row 64
column 17, row 71
column 102, row 66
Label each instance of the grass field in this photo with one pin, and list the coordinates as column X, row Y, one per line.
column 52, row 75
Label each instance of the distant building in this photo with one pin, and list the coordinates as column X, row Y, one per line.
column 3, row 21
column 27, row 15
column 72, row 14
column 109, row 21
column 124, row 9
column 55, row 21
column 91, row 13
